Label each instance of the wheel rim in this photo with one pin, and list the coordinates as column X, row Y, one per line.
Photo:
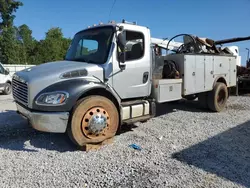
column 221, row 97
column 7, row 88
column 95, row 123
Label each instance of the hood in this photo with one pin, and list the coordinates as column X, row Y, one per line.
column 55, row 69
column 41, row 76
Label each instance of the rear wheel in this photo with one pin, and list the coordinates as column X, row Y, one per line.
column 7, row 89
column 202, row 98
column 93, row 120
column 217, row 98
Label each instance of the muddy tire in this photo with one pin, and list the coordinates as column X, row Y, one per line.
column 93, row 120
column 217, row 98
column 202, row 98
column 7, row 89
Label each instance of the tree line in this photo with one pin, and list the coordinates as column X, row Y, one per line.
column 18, row 46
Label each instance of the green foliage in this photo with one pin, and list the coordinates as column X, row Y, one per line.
column 53, row 48
column 7, row 8
column 27, row 42
column 11, row 51
column 17, row 46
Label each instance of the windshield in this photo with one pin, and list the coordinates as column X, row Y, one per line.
column 91, row 46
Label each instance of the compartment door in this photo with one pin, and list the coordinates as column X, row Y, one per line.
column 209, row 74
column 199, row 73
column 189, row 74
column 232, row 74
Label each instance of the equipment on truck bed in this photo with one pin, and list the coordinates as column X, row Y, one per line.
column 231, row 40
column 115, row 74
column 243, row 73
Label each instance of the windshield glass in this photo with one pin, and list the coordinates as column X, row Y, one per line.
column 91, row 46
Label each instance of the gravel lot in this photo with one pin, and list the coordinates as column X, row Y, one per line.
column 184, row 146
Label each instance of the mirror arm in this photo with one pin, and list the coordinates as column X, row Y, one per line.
column 121, row 60
column 122, row 66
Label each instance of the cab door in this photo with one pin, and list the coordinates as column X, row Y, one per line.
column 135, row 80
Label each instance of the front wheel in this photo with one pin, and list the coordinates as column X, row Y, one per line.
column 93, row 120
column 217, row 98
column 7, row 89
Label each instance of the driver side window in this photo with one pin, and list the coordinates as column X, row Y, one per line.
column 86, row 47
column 134, row 45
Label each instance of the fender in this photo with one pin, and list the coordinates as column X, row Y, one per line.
column 75, row 88
column 3, row 84
column 8, row 81
column 220, row 78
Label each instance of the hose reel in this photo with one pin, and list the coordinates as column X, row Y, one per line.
column 170, row 70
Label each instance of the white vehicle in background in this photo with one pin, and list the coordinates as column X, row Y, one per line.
column 5, row 81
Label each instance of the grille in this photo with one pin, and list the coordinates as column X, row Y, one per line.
column 20, row 91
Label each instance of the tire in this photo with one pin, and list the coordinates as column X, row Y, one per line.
column 83, row 127
column 217, row 98
column 202, row 98
column 7, row 89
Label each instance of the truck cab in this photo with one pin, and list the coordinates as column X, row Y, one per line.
column 110, row 77
column 5, row 80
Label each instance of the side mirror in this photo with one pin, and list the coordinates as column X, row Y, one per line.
column 122, row 41
column 122, row 57
column 121, row 49
column 7, row 71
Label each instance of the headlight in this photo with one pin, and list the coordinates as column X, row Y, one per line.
column 55, row 98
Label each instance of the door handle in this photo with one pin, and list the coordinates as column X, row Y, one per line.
column 145, row 77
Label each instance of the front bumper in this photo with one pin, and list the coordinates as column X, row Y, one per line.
column 53, row 122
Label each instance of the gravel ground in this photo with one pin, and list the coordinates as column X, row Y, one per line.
column 184, row 146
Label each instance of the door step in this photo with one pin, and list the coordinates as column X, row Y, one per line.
column 135, row 111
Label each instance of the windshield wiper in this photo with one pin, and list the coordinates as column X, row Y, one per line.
column 84, row 60
column 79, row 59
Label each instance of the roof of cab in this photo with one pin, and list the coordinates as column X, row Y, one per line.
column 113, row 24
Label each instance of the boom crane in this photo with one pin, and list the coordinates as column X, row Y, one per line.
column 231, row 40
column 163, row 43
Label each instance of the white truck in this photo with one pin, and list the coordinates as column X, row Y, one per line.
column 5, row 80
column 115, row 74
